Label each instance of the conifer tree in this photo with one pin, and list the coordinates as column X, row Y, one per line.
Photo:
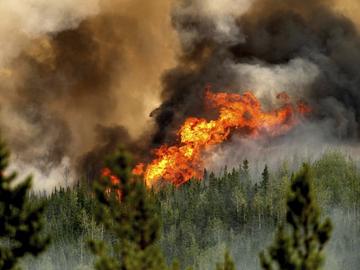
column 20, row 225
column 299, row 245
column 128, row 212
column 245, row 166
column 265, row 179
column 245, row 169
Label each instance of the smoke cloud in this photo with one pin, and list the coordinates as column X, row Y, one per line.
column 310, row 49
column 79, row 77
column 24, row 20
column 72, row 70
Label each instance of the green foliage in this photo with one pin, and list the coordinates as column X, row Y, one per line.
column 245, row 166
column 265, row 180
column 128, row 212
column 337, row 180
column 20, row 225
column 228, row 263
column 201, row 218
column 301, row 248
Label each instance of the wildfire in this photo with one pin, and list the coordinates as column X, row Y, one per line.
column 243, row 113
column 115, row 182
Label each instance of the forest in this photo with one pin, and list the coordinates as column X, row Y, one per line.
column 235, row 212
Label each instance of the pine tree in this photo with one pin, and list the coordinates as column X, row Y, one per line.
column 20, row 225
column 128, row 212
column 245, row 173
column 265, row 180
column 245, row 166
column 299, row 246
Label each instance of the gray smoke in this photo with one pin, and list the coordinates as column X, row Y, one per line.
column 305, row 48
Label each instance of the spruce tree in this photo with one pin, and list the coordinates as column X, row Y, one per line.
column 128, row 212
column 245, row 166
column 265, row 180
column 300, row 244
column 20, row 225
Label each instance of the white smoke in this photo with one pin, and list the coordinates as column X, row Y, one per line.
column 45, row 181
column 23, row 20
column 223, row 13
column 265, row 81
column 221, row 16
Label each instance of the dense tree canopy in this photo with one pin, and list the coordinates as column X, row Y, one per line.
column 20, row 223
column 301, row 248
column 201, row 219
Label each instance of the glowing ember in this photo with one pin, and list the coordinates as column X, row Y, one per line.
column 242, row 113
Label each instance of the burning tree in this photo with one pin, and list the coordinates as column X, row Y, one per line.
column 20, row 225
column 181, row 162
column 300, row 246
column 127, row 211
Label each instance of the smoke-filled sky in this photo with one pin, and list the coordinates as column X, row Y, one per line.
column 79, row 77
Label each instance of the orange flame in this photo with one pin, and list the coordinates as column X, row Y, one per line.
column 179, row 163
column 138, row 170
column 115, row 181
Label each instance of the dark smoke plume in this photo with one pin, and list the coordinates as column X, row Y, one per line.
column 303, row 47
column 73, row 70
